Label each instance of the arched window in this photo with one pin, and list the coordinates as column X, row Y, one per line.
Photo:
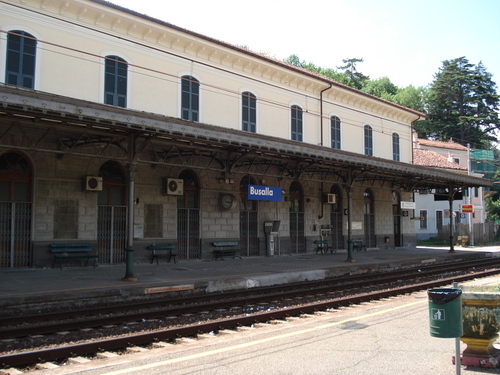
column 15, row 178
column 190, row 197
column 297, row 123
column 15, row 211
column 115, row 81
column 190, row 98
column 335, row 132
column 249, row 112
column 21, row 57
column 395, row 147
column 114, row 183
column 295, row 202
column 368, row 140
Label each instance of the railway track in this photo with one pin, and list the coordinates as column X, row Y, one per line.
column 346, row 285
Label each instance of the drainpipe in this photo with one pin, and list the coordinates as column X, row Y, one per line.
column 414, row 141
column 321, row 112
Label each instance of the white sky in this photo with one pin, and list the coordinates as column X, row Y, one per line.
column 405, row 40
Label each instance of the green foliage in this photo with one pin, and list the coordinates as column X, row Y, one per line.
column 381, row 87
column 462, row 104
column 356, row 79
column 326, row 72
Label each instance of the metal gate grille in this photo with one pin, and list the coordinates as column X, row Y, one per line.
column 370, row 230
column 111, row 234
column 15, row 231
column 337, row 236
column 249, row 239
column 297, row 239
column 188, row 233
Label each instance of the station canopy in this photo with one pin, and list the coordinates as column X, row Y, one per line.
column 36, row 121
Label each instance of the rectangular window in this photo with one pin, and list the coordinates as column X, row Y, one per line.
column 296, row 123
column 335, row 132
column 190, row 98
column 423, row 219
column 65, row 219
column 368, row 140
column 395, row 147
column 249, row 112
column 439, row 219
column 115, row 81
column 153, row 221
column 21, row 57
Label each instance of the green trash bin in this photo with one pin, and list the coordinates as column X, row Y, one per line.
column 445, row 312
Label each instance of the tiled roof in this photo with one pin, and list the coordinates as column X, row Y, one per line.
column 439, row 144
column 430, row 158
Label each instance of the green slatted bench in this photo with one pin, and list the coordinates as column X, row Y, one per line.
column 74, row 250
column 226, row 249
column 324, row 246
column 170, row 253
column 358, row 245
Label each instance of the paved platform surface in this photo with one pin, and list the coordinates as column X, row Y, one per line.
column 79, row 285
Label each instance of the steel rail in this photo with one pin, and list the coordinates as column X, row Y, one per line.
column 66, row 351
column 92, row 318
column 152, row 310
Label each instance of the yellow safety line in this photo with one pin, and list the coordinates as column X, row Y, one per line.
column 258, row 342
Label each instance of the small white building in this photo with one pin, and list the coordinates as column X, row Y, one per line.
column 432, row 208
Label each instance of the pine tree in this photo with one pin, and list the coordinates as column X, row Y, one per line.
column 462, row 104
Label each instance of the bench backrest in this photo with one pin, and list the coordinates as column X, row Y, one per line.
column 70, row 247
column 161, row 247
column 225, row 243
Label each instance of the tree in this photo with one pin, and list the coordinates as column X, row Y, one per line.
column 326, row 72
column 356, row 78
column 381, row 87
column 462, row 104
column 412, row 97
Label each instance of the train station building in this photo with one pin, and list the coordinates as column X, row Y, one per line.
column 123, row 131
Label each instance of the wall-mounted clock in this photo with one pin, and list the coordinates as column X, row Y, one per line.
column 227, row 201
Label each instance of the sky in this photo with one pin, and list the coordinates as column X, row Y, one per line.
column 404, row 40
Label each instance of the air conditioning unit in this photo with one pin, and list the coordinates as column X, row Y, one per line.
column 93, row 183
column 174, row 186
column 330, row 199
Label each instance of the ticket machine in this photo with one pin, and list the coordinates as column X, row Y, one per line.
column 271, row 229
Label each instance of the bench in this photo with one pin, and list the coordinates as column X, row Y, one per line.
column 67, row 251
column 226, row 248
column 358, row 245
column 169, row 252
column 323, row 247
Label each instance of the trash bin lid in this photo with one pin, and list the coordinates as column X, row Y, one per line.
column 442, row 296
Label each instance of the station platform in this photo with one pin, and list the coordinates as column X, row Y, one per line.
column 31, row 289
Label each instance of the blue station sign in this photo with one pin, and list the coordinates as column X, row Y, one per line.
column 264, row 193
